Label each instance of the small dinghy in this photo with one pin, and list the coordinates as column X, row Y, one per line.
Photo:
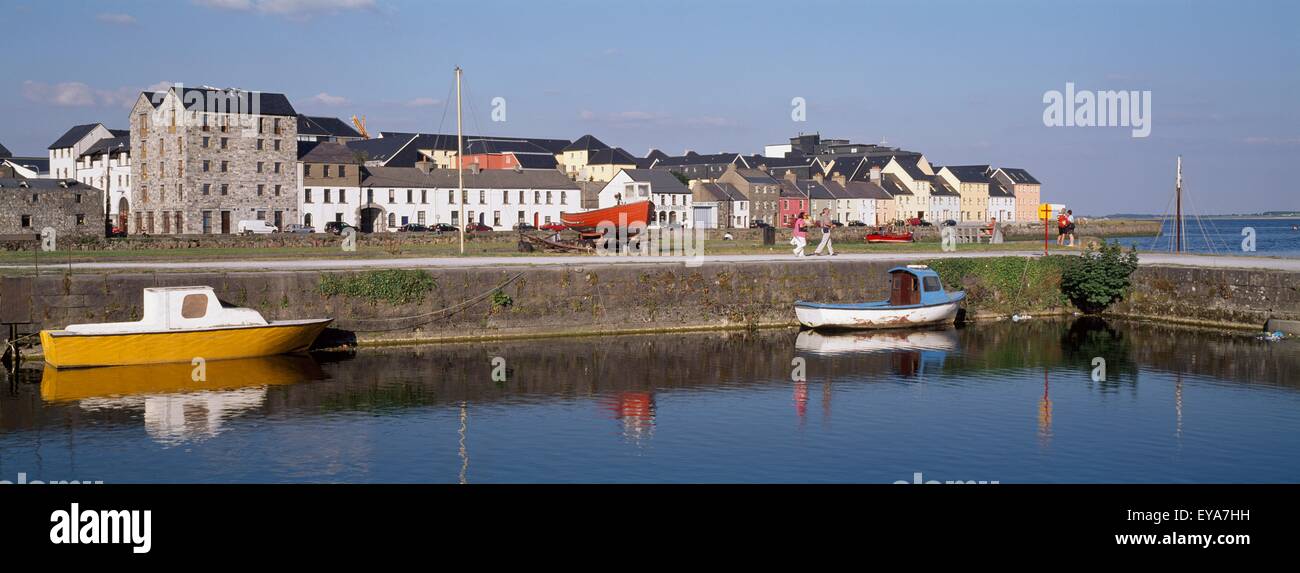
column 916, row 298
column 179, row 324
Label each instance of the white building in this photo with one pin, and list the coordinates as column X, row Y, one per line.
column 106, row 165
column 673, row 200
column 945, row 202
column 389, row 197
column 1002, row 202
column 67, row 150
column 719, row 206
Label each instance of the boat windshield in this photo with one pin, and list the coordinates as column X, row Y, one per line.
column 932, row 284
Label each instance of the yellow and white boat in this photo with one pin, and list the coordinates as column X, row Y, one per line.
column 179, row 324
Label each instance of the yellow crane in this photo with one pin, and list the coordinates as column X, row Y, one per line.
column 360, row 124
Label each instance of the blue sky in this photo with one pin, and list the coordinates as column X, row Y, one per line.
column 962, row 82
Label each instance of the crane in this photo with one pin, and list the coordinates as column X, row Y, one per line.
column 361, row 126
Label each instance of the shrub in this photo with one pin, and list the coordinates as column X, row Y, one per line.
column 1099, row 277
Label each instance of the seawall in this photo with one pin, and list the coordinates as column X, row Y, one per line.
column 460, row 304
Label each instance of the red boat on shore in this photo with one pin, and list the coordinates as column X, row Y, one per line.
column 881, row 237
column 618, row 216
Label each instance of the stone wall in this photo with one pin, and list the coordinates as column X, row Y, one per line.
column 609, row 298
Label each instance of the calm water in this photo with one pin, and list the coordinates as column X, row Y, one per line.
column 1273, row 237
column 1007, row 402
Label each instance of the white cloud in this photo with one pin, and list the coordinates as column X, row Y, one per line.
column 119, row 19
column 292, row 8
column 330, row 100
column 423, row 102
column 78, row 94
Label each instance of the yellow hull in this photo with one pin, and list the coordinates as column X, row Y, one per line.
column 151, row 379
column 64, row 349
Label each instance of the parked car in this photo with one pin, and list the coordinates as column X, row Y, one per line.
column 857, row 224
column 444, row 228
column 837, row 224
column 299, row 228
column 949, row 223
column 256, row 227
column 758, row 225
column 117, row 232
column 524, row 227
column 413, row 228
column 480, row 227
column 919, row 222
column 556, row 227
column 336, row 227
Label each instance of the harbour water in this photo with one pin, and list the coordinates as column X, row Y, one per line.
column 1007, row 402
column 1276, row 237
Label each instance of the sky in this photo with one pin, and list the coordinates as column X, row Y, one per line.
column 962, row 82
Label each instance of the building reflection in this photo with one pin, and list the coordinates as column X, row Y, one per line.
column 1045, row 413
column 635, row 410
column 178, row 408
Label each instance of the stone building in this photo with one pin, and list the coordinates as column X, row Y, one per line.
column 206, row 158
column 762, row 190
column 66, row 205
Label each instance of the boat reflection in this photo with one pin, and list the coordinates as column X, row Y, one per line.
column 911, row 353
column 636, row 411
column 177, row 408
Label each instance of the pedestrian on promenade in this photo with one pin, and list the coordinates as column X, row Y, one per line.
column 1069, row 225
column 824, row 221
column 1062, row 222
column 800, row 239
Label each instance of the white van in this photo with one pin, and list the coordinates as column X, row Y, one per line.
column 256, row 227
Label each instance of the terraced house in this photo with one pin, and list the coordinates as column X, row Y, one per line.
column 207, row 158
column 972, row 182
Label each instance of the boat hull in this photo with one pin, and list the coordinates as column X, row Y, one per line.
column 63, row 349
column 618, row 216
column 839, row 316
column 66, row 384
column 878, row 238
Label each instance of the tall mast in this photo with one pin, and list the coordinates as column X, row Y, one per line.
column 460, row 167
column 1178, row 217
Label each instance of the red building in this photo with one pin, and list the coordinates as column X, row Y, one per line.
column 792, row 202
column 507, row 154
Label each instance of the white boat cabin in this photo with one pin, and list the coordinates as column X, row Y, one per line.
column 178, row 308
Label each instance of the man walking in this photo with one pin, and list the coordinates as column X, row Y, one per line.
column 824, row 221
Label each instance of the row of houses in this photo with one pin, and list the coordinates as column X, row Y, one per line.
column 201, row 159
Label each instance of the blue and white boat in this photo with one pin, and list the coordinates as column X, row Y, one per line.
column 916, row 298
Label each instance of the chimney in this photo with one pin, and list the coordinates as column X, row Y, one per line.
column 763, row 168
column 425, row 166
column 875, row 174
column 818, row 177
column 839, row 178
column 790, row 176
column 474, row 168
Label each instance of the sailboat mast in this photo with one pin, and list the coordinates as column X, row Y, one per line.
column 460, row 168
column 1178, row 216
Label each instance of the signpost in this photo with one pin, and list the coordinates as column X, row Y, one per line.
column 1045, row 213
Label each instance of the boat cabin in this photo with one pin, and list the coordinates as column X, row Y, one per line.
column 915, row 285
column 178, row 308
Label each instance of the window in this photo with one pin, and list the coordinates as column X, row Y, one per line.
column 259, row 166
column 277, row 145
column 261, row 215
column 259, row 145
column 261, row 188
column 931, row 284
column 424, row 196
column 225, row 189
column 306, row 198
column 537, row 197
column 225, row 166
column 391, row 196
column 564, row 198
column 451, row 197
column 277, row 166
column 225, row 141
column 548, row 197
column 27, row 221
column 327, row 196
column 343, row 170
column 194, row 306
column 505, row 197
column 496, row 218
column 207, row 188
column 207, row 165
column 277, row 191
column 392, row 219
column 326, row 170
column 205, row 140
column 410, row 196
column 306, row 219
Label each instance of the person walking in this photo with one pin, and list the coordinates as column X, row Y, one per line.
column 1069, row 226
column 1062, row 221
column 824, row 221
column 800, row 239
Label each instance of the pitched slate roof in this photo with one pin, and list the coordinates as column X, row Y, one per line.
column 325, row 152
column 38, row 164
column 893, row 185
column 756, row 176
column 660, row 181
column 384, row 148
column 72, row 136
column 44, row 184
column 328, row 126
column 214, row 100
column 970, row 173
column 718, row 192
column 477, row 146
column 996, row 189
column 4, row 152
column 940, row 187
column 485, row 179
column 616, row 156
column 585, row 143
column 535, row 161
column 865, row 190
column 1019, row 176
column 115, row 145
column 697, row 159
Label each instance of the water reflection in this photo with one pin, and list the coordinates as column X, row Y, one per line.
column 901, row 399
